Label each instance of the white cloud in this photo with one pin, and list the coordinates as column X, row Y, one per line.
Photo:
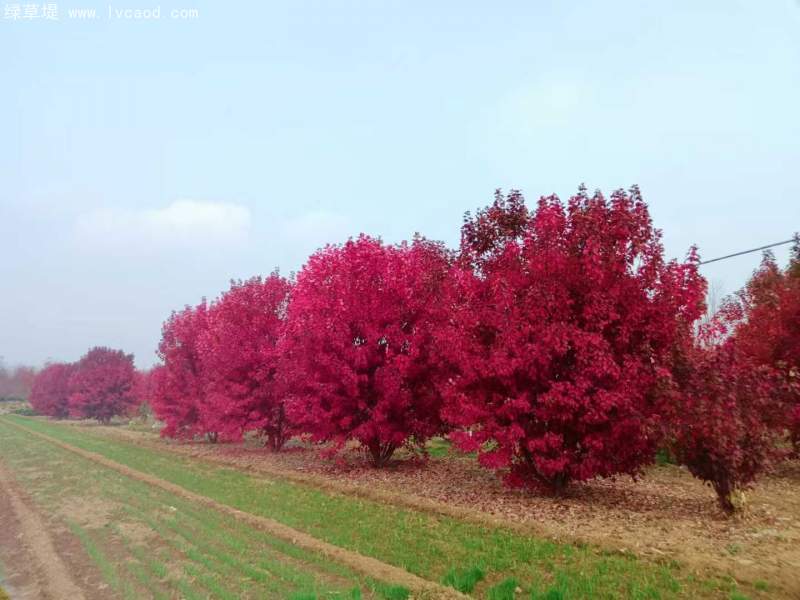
column 181, row 223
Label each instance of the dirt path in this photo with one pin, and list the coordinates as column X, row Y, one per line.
column 19, row 576
column 366, row 565
column 40, row 572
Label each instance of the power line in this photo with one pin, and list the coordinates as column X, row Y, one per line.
column 705, row 262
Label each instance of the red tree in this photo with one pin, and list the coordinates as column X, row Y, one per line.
column 763, row 322
column 50, row 391
column 143, row 385
column 724, row 423
column 359, row 353
column 764, row 317
column 179, row 387
column 563, row 324
column 144, row 389
column 239, row 353
column 101, row 386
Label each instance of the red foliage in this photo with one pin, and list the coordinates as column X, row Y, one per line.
column 50, row 391
column 238, row 350
column 562, row 327
column 764, row 317
column 179, row 387
column 144, row 386
column 101, row 386
column 725, row 420
column 359, row 353
column 763, row 322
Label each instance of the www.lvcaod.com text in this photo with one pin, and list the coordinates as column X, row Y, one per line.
column 22, row 12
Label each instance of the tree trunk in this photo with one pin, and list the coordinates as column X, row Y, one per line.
column 275, row 440
column 379, row 454
column 558, row 484
column 724, row 491
column 277, row 434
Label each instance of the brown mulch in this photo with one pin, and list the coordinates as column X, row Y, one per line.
column 665, row 515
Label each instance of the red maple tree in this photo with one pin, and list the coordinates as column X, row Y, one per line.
column 763, row 321
column 359, row 355
column 563, row 322
column 144, row 388
column 101, row 386
column 725, row 420
column 179, row 386
column 240, row 357
column 143, row 385
column 50, row 390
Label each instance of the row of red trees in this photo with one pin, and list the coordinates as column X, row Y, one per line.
column 557, row 343
column 101, row 385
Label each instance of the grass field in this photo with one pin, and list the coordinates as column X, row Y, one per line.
column 147, row 543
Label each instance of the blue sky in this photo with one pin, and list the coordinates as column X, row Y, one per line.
column 147, row 162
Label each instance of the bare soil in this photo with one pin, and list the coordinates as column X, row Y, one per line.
column 667, row 515
column 92, row 514
column 31, row 551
